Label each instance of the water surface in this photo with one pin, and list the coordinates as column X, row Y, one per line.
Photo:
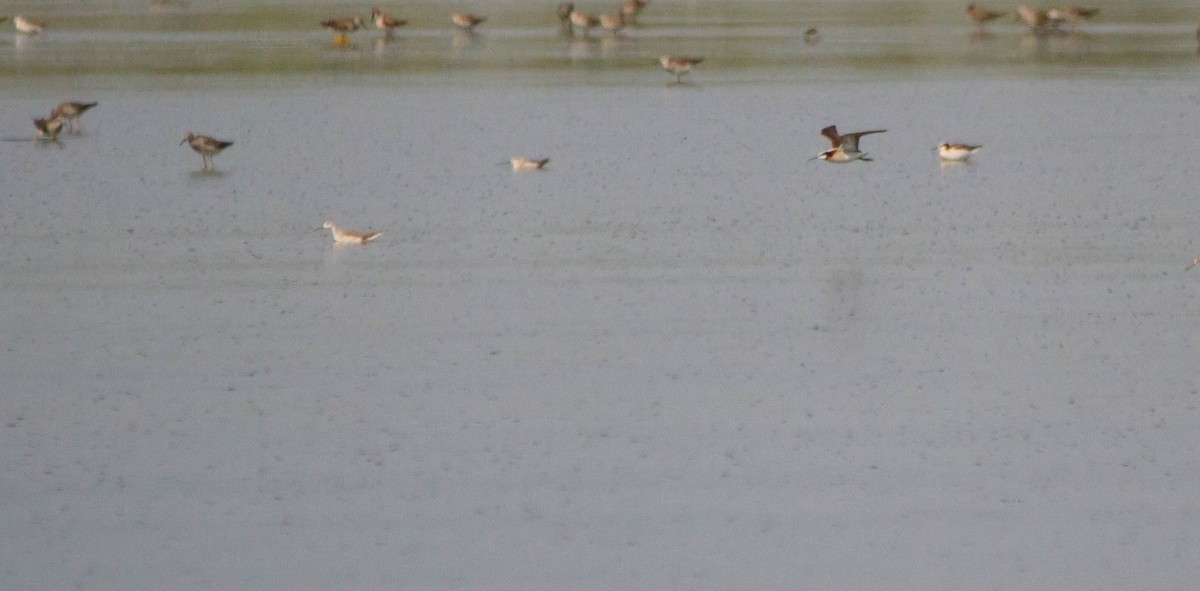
column 679, row 357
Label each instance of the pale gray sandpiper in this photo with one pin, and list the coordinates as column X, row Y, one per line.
column 582, row 20
column 71, row 112
column 342, row 27
column 466, row 20
column 1195, row 263
column 678, row 65
column 520, row 163
column 956, row 152
column 207, row 147
column 612, row 22
column 341, row 236
column 982, row 15
column 384, row 22
column 29, row 27
column 845, row 147
column 48, row 128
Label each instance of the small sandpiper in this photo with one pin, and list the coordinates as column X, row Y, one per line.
column 207, row 147
column 466, row 21
column 564, row 14
column 981, row 15
column 520, row 163
column 584, row 21
column 956, row 152
column 1038, row 20
column 612, row 22
column 71, row 112
column 630, row 9
column 48, row 128
column 845, row 147
column 1077, row 14
column 27, row 26
column 678, row 65
column 812, row 36
column 1195, row 263
column 341, row 236
column 342, row 27
column 384, row 22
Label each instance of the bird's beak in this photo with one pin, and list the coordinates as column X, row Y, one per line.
column 181, row 141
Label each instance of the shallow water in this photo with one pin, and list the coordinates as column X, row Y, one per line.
column 679, row 357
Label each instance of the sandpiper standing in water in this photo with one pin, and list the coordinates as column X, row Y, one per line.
column 678, row 65
column 207, row 148
column 845, row 147
column 48, row 128
column 71, row 112
column 466, row 21
column 981, row 15
column 956, row 152
column 384, row 22
column 341, row 236
column 582, row 20
column 564, row 15
column 631, row 9
column 612, row 22
column 1038, row 20
column 342, row 28
column 29, row 27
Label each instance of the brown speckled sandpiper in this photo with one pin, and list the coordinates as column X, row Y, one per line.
column 207, row 148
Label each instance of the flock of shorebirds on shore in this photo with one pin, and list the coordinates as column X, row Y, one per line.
column 844, row 147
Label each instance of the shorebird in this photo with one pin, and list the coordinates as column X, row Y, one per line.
column 956, row 152
column 812, row 36
column 1195, row 263
column 1071, row 14
column 845, row 147
column 981, row 15
column 1079, row 13
column 580, row 20
column 678, row 65
column 521, row 163
column 48, row 128
column 384, row 22
column 71, row 112
column 342, row 28
column 612, row 22
column 341, row 236
column 466, row 21
column 564, row 13
column 207, row 147
column 630, row 9
column 1038, row 20
column 27, row 26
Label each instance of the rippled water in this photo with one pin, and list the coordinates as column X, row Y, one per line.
column 679, row 357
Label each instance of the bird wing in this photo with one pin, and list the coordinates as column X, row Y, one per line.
column 831, row 134
column 850, row 140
